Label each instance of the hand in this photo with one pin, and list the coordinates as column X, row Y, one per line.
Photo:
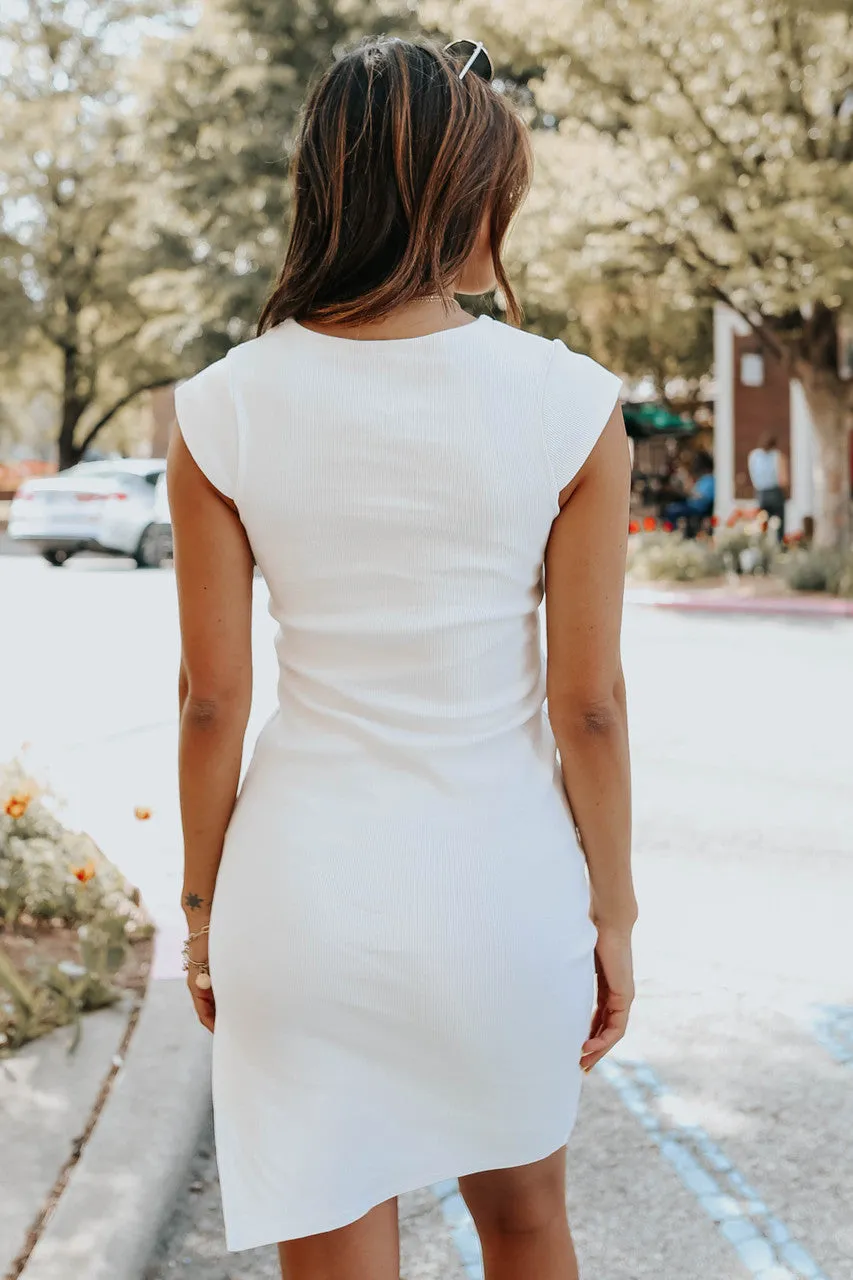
column 205, row 1004
column 614, row 971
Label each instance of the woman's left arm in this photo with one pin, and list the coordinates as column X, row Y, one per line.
column 214, row 568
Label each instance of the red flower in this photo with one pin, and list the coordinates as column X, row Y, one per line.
column 668, row 526
column 650, row 524
column 16, row 806
column 634, row 526
column 715, row 520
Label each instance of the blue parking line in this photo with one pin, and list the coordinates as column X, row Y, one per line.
column 461, row 1225
column 762, row 1242
column 833, row 1026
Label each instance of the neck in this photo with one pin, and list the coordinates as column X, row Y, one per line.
column 412, row 320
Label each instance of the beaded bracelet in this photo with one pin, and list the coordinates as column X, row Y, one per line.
column 202, row 978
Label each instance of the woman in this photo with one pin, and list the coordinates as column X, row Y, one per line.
column 699, row 505
column 401, row 933
column 768, row 472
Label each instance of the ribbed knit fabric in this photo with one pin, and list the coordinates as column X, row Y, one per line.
column 400, row 944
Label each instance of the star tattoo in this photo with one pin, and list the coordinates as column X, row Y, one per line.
column 193, row 901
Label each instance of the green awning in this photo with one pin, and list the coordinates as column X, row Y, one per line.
column 645, row 420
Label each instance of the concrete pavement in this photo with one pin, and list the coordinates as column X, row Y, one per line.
column 744, row 857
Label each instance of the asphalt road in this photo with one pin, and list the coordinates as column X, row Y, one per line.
column 717, row 1146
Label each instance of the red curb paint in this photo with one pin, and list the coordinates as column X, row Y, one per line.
column 779, row 605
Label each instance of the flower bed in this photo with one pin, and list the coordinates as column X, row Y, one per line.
column 746, row 546
column 73, row 935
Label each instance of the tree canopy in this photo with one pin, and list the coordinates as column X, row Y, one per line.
column 722, row 138
column 84, row 272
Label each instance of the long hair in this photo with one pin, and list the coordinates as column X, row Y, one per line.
column 397, row 164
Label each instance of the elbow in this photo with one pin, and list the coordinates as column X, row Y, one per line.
column 211, row 712
column 588, row 717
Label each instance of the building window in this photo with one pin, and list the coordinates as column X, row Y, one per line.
column 752, row 369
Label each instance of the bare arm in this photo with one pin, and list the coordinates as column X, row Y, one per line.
column 584, row 579
column 213, row 563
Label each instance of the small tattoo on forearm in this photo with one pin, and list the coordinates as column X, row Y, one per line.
column 193, row 901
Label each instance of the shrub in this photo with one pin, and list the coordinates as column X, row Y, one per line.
column 817, row 569
column 656, row 557
column 55, row 882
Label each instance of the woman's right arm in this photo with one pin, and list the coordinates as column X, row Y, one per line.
column 584, row 584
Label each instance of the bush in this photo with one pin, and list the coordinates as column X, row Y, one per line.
column 670, row 557
column 816, row 569
column 56, row 887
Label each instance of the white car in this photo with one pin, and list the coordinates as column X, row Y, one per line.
column 106, row 506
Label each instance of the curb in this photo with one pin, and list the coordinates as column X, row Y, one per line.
column 121, row 1193
column 780, row 606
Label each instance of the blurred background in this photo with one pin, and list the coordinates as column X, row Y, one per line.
column 691, row 227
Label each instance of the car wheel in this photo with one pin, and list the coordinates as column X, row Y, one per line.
column 151, row 551
column 57, row 557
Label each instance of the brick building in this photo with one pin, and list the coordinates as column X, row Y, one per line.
column 754, row 394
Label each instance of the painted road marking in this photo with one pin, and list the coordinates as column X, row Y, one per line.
column 461, row 1225
column 762, row 1242
column 833, row 1026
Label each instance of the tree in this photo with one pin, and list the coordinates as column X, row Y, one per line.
column 83, row 273
column 644, row 327
column 724, row 137
column 224, row 122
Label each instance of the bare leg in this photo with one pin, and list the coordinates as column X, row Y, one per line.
column 368, row 1249
column 520, row 1215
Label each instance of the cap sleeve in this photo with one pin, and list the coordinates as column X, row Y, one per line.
column 208, row 422
column 580, row 396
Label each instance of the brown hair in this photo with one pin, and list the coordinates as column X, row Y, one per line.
column 397, row 163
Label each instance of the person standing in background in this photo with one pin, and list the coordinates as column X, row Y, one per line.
column 768, row 472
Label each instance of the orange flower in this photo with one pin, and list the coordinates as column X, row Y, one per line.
column 85, row 873
column 141, row 813
column 650, row 524
column 634, row 526
column 17, row 804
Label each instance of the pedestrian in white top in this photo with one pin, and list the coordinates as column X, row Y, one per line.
column 768, row 473
column 408, row 903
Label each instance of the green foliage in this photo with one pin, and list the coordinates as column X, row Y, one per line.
column 50, row 876
column 818, row 569
column 83, row 270
column 223, row 124
column 46, row 997
column 48, row 872
column 706, row 149
column 670, row 557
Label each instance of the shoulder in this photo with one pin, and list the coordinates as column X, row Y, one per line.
column 207, row 385
column 580, row 380
column 566, row 370
column 207, row 420
column 520, row 341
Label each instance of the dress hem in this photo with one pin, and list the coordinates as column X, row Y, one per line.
column 236, row 1242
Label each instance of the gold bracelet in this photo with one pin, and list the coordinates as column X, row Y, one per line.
column 202, row 978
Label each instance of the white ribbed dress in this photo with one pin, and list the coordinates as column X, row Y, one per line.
column 400, row 945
